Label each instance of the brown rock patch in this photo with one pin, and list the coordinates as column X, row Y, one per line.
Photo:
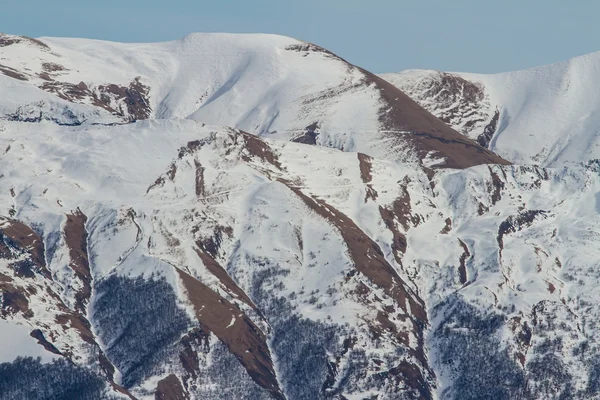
column 14, row 301
column 448, row 227
column 196, row 338
column 170, row 389
column 12, row 73
column 200, row 189
column 241, row 336
column 79, row 323
column 134, row 97
column 427, row 133
column 9, row 40
column 76, row 240
column 495, row 187
column 23, row 238
column 258, row 148
column 218, row 271
column 366, row 168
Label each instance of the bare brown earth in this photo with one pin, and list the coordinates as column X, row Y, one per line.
column 13, row 301
column 218, row 271
column 496, row 186
column 364, row 163
column 200, row 190
column 427, row 133
column 523, row 336
column 189, row 356
column 76, row 240
column 241, row 336
column 399, row 214
column 403, row 118
column 399, row 244
column 52, row 67
column 448, row 227
column 27, row 240
column 170, row 389
column 134, row 96
column 12, row 73
column 258, row 148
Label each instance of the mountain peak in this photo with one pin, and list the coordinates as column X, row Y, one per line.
column 268, row 85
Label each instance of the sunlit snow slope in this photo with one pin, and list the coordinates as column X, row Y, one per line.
column 267, row 85
column 546, row 115
column 251, row 217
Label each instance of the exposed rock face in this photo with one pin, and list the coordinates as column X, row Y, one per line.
column 462, row 104
column 76, row 240
column 9, row 40
column 128, row 102
column 430, row 135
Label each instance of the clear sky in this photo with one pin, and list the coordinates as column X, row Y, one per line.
column 380, row 35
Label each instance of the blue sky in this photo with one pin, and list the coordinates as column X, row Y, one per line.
column 380, row 35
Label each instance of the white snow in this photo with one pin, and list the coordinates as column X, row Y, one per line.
column 16, row 342
column 137, row 184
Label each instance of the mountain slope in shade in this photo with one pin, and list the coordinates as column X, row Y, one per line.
column 267, row 85
column 545, row 115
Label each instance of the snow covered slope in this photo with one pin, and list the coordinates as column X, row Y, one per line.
column 346, row 245
column 226, row 219
column 545, row 115
column 172, row 257
column 267, row 85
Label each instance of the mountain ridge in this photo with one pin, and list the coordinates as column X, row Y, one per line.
column 347, row 245
column 291, row 93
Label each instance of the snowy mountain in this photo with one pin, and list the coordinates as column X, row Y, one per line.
column 250, row 216
column 269, row 85
column 546, row 115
